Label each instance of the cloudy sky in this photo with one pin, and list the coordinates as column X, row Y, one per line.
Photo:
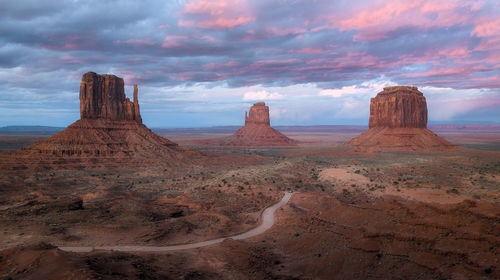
column 203, row 63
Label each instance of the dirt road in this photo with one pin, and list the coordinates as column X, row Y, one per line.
column 267, row 218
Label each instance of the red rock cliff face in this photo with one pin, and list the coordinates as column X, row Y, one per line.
column 103, row 97
column 398, row 107
column 259, row 114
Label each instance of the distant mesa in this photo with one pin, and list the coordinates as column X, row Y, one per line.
column 258, row 115
column 109, row 132
column 398, row 122
column 257, row 131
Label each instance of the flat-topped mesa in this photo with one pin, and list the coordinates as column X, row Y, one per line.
column 398, row 122
column 103, row 97
column 398, row 107
column 258, row 114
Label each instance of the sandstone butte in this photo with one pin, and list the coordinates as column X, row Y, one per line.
column 109, row 132
column 398, row 122
column 257, row 131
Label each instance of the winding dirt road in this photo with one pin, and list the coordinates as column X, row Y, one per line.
column 267, row 223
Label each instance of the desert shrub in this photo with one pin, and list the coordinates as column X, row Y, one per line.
column 453, row 191
column 357, row 171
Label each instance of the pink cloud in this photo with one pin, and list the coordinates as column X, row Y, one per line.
column 487, row 27
column 308, row 50
column 124, row 72
column 260, row 63
column 214, row 65
column 459, row 52
column 67, row 47
column 218, row 14
column 172, row 41
column 377, row 19
column 462, row 70
column 133, row 79
column 285, row 31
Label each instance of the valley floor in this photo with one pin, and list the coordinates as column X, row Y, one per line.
column 351, row 216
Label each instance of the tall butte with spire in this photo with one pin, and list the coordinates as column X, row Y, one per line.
column 398, row 122
column 109, row 132
column 257, row 131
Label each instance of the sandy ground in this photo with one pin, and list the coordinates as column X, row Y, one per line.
column 350, row 179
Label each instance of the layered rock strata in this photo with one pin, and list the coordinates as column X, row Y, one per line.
column 398, row 122
column 110, row 132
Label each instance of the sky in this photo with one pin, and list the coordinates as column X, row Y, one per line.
column 203, row 63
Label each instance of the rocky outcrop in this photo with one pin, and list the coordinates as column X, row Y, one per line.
column 103, row 97
column 258, row 115
column 109, row 133
column 256, row 132
column 398, row 122
column 398, row 107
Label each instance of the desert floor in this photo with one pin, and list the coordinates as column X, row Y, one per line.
column 351, row 216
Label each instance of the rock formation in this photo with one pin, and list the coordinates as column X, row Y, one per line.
column 103, row 97
column 258, row 115
column 257, row 131
column 398, row 107
column 110, row 132
column 398, row 122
